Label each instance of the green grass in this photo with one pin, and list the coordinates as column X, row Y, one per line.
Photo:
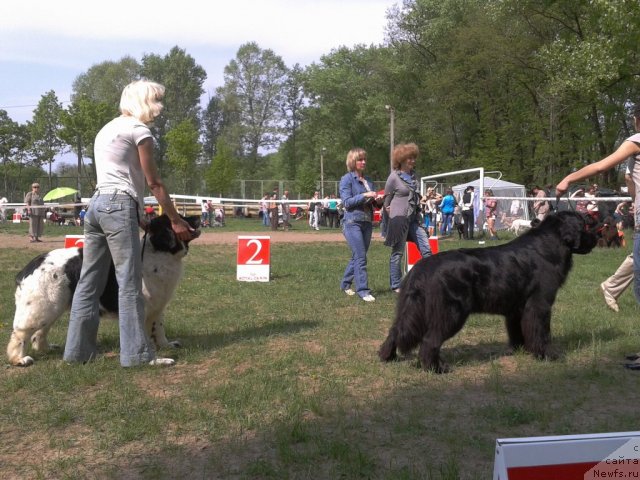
column 281, row 380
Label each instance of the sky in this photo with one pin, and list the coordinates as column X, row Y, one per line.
column 46, row 44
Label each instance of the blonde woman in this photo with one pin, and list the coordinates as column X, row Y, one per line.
column 123, row 159
column 358, row 197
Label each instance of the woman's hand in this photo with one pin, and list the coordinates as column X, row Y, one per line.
column 562, row 188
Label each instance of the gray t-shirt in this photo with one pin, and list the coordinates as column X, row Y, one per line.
column 116, row 156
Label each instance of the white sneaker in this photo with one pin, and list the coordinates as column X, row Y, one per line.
column 396, row 290
column 609, row 299
column 349, row 292
column 369, row 298
column 162, row 362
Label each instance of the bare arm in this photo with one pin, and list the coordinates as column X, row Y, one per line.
column 620, row 155
column 150, row 169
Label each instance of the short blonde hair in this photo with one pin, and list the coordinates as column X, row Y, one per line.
column 353, row 156
column 142, row 100
column 402, row 152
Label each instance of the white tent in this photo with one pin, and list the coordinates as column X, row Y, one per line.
column 507, row 209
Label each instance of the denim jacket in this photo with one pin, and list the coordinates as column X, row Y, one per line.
column 357, row 208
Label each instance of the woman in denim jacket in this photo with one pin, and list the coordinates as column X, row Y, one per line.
column 358, row 198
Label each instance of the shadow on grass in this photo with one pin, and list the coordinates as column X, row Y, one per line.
column 215, row 340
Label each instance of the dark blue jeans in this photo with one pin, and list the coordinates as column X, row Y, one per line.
column 358, row 235
column 417, row 235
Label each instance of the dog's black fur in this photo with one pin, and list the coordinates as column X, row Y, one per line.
column 519, row 280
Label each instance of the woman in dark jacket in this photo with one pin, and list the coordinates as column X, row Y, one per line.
column 358, row 198
column 402, row 204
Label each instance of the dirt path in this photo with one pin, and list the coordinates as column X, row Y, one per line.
column 208, row 237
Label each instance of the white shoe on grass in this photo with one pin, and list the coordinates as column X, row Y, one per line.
column 349, row 292
column 162, row 362
column 369, row 298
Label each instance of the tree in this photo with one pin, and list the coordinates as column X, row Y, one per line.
column 183, row 150
column 307, row 179
column 212, row 126
column 81, row 122
column 183, row 79
column 44, row 131
column 104, row 82
column 252, row 92
column 221, row 174
column 13, row 142
column 294, row 101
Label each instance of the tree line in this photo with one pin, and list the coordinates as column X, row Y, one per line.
column 532, row 88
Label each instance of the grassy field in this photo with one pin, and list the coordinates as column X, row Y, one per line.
column 281, row 380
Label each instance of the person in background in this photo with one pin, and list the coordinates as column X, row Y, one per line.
column 3, row 209
column 332, row 212
column 433, row 200
column 36, row 215
column 467, row 212
column 490, row 212
column 204, row 211
column 402, row 204
column 447, row 207
column 286, row 213
column 264, row 209
column 123, row 160
column 540, row 207
column 273, row 210
column 315, row 206
column 358, row 198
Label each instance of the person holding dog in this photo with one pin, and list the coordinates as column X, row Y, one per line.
column 628, row 151
column 358, row 198
column 123, row 160
column 402, row 204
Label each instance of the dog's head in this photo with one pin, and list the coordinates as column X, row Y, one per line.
column 575, row 231
column 163, row 238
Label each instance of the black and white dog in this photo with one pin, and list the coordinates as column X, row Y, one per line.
column 45, row 288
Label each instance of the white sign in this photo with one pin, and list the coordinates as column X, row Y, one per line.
column 254, row 256
column 569, row 457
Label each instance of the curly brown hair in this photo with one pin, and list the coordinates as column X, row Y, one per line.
column 402, row 152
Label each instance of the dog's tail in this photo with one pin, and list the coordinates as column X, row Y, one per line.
column 410, row 321
column 409, row 326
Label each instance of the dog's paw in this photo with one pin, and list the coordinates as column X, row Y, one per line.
column 174, row 344
column 25, row 362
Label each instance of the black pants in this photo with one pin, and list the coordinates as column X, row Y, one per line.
column 467, row 230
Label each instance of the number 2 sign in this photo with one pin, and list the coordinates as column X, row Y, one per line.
column 254, row 255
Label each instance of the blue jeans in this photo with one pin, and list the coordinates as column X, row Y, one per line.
column 358, row 235
column 415, row 234
column 446, row 223
column 111, row 232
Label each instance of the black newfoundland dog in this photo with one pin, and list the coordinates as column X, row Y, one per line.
column 519, row 280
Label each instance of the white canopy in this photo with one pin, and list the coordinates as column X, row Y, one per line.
column 500, row 188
